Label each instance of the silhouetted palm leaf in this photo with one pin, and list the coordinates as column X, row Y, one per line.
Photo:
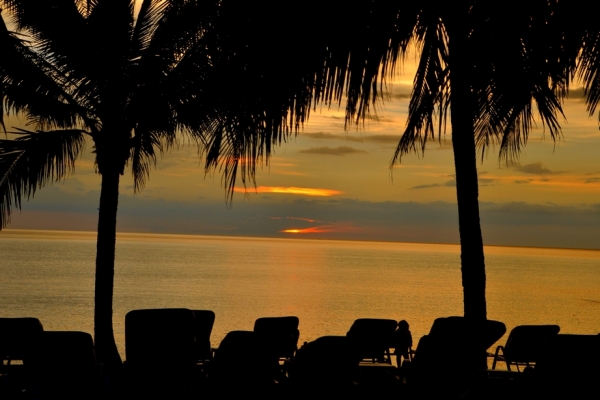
column 502, row 65
column 138, row 85
column 33, row 160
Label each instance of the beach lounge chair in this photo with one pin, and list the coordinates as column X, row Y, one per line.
column 18, row 337
column 63, row 366
column 278, row 337
column 327, row 363
column 568, row 367
column 240, row 366
column 372, row 338
column 449, row 360
column 203, row 324
column 160, row 351
column 523, row 345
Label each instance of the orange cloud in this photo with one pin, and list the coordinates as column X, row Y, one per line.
column 339, row 228
column 312, row 229
column 293, row 190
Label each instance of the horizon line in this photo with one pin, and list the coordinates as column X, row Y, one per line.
column 299, row 238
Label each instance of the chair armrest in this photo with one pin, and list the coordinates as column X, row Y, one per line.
column 498, row 357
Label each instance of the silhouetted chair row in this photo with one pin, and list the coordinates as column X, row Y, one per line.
column 180, row 339
column 168, row 352
column 524, row 345
column 566, row 367
column 46, row 364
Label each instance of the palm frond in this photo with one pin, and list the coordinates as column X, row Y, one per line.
column 34, row 87
column 526, row 69
column 34, row 160
column 430, row 97
column 234, row 149
column 589, row 68
column 65, row 47
column 144, row 147
column 148, row 19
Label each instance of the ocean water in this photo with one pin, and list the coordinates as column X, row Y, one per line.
column 327, row 284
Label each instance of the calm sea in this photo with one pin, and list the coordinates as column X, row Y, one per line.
column 327, row 284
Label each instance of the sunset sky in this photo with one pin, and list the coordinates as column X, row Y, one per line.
column 333, row 183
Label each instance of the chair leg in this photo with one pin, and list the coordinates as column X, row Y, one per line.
column 497, row 356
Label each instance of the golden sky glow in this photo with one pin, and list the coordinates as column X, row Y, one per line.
column 548, row 180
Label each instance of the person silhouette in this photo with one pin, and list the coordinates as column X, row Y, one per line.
column 402, row 343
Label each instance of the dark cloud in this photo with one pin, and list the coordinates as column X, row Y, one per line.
column 321, row 135
column 451, row 183
column 374, row 117
column 511, row 224
column 426, row 186
column 592, row 180
column 400, row 96
column 487, row 181
column 521, row 182
column 536, row 168
column 576, row 93
column 333, row 151
column 384, row 139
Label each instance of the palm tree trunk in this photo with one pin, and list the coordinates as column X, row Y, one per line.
column 465, row 162
column 106, row 348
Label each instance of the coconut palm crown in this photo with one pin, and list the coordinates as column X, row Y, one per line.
column 130, row 84
column 488, row 68
column 491, row 69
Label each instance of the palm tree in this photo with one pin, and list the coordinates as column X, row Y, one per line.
column 132, row 85
column 484, row 65
column 488, row 79
column 221, row 73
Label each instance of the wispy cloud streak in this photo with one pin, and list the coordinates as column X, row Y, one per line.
column 293, row 190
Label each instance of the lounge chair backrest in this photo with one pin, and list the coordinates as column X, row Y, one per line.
column 160, row 337
column 372, row 336
column 462, row 340
column 569, row 354
column 64, row 364
column 240, row 360
column 203, row 325
column 280, row 334
column 461, row 331
column 372, row 327
column 568, row 367
column 17, row 336
column 326, row 361
column 525, row 342
column 448, row 359
column 237, row 348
